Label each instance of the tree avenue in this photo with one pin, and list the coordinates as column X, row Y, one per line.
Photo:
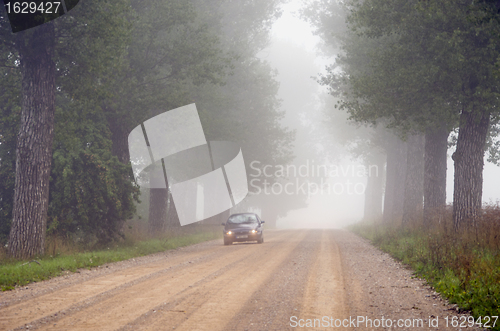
column 421, row 68
column 72, row 90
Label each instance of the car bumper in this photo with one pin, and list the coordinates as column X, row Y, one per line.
column 242, row 237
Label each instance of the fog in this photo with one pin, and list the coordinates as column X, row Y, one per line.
column 252, row 74
column 294, row 53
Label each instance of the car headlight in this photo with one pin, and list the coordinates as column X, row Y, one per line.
column 254, row 231
column 229, row 232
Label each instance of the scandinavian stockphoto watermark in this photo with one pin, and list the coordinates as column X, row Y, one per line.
column 204, row 178
column 310, row 178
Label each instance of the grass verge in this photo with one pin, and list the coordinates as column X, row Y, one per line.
column 464, row 267
column 20, row 273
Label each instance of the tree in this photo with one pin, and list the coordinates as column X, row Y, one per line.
column 395, row 179
column 43, row 54
column 367, row 144
column 171, row 51
column 435, row 157
column 246, row 109
column 36, row 50
column 386, row 86
column 182, row 52
column 430, row 66
column 414, row 184
column 374, row 187
column 474, row 48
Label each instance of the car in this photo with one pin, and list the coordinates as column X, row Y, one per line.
column 243, row 227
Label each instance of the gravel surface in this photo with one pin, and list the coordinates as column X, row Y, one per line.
column 297, row 279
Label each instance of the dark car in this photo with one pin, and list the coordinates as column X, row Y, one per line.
column 243, row 227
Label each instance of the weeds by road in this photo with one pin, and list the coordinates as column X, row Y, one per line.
column 13, row 273
column 464, row 267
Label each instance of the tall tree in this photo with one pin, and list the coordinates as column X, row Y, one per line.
column 429, row 63
column 246, row 109
column 374, row 192
column 414, row 181
column 44, row 54
column 435, row 165
column 171, row 50
column 395, row 179
column 469, row 161
column 36, row 48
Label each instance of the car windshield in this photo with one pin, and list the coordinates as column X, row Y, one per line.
column 242, row 218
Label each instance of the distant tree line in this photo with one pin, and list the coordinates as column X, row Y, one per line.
column 416, row 71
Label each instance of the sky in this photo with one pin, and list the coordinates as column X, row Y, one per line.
column 290, row 27
column 293, row 53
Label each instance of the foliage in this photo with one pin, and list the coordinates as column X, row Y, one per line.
column 251, row 95
column 465, row 269
column 421, row 67
column 415, row 64
column 170, row 52
column 90, row 190
column 245, row 109
column 121, row 62
column 90, row 41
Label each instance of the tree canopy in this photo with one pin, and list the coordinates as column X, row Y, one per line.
column 118, row 63
column 420, row 66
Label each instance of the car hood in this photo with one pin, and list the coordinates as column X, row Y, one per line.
column 243, row 226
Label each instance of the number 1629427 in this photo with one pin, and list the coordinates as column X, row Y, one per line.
column 43, row 7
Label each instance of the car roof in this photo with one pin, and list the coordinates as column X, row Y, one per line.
column 252, row 214
column 243, row 214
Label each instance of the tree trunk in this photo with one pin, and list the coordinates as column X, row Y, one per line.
column 469, row 161
column 119, row 148
column 119, row 137
column 436, row 147
column 414, row 181
column 34, row 142
column 157, row 211
column 395, row 179
column 374, row 188
column 172, row 217
column 158, row 200
column 368, row 205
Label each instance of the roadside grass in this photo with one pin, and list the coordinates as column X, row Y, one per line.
column 463, row 266
column 20, row 273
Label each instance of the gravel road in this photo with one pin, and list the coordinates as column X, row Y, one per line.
column 297, row 279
